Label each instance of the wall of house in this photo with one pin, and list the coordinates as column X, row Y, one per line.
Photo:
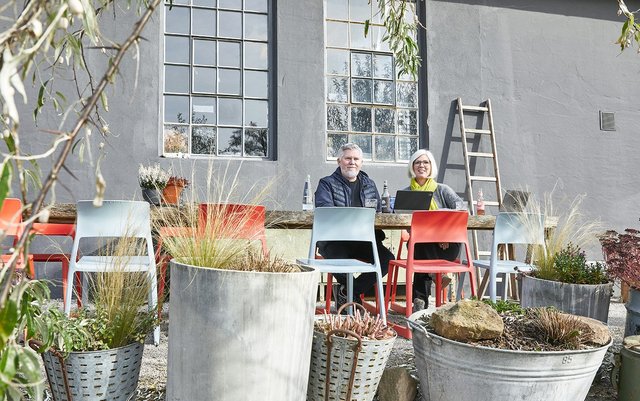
column 547, row 66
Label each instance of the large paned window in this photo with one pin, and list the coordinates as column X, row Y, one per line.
column 216, row 78
column 367, row 103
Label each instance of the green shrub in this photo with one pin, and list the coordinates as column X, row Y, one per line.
column 570, row 266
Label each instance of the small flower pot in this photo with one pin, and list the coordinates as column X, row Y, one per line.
column 171, row 194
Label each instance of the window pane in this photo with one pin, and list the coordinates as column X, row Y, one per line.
column 229, row 111
column 361, row 64
column 360, row 10
column 203, row 140
column 337, row 89
column 334, row 142
column 407, row 122
column 204, row 22
column 176, row 109
column 337, row 34
column 383, row 92
column 234, row 4
column 377, row 33
column 255, row 55
column 256, row 5
column 255, row 27
column 383, row 67
column 361, row 90
column 176, row 49
column 385, row 148
column 255, row 113
column 407, row 94
column 229, row 81
column 177, row 20
column 256, row 142
column 204, row 52
column 255, row 83
column 385, row 120
column 358, row 40
column 361, row 119
column 229, row 141
column 337, row 118
column 230, row 25
column 229, row 54
column 204, row 110
column 337, row 62
column 204, row 80
column 176, row 79
column 338, row 9
column 406, row 147
column 175, row 139
column 364, row 141
column 204, row 3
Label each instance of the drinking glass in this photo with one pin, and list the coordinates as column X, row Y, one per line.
column 373, row 203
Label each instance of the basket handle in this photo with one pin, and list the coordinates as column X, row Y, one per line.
column 417, row 326
column 356, row 350
column 348, row 304
column 37, row 346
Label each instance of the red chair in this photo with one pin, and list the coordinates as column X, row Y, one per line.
column 430, row 226
column 58, row 230
column 12, row 226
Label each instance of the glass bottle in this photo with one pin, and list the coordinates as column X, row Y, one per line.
column 307, row 196
column 480, row 204
column 386, row 199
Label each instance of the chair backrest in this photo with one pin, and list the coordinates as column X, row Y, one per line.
column 438, row 226
column 518, row 228
column 115, row 218
column 342, row 224
column 250, row 219
column 11, row 216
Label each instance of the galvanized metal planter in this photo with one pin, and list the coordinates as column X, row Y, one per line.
column 632, row 324
column 239, row 335
column 625, row 375
column 453, row 371
column 577, row 299
column 108, row 375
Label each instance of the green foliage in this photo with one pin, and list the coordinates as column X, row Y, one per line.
column 570, row 266
column 630, row 29
column 502, row 306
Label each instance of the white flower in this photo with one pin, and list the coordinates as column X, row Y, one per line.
column 153, row 177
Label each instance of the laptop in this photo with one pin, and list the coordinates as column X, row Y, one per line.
column 515, row 200
column 409, row 201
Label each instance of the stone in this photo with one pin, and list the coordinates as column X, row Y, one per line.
column 397, row 384
column 467, row 320
column 599, row 330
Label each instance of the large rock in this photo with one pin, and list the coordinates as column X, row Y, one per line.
column 397, row 384
column 599, row 331
column 467, row 320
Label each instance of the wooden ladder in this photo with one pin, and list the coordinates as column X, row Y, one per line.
column 479, row 136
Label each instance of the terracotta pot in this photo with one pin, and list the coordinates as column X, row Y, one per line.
column 171, row 194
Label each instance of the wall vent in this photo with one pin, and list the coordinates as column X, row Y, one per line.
column 607, row 121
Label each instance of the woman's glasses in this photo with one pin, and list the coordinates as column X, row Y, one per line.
column 421, row 163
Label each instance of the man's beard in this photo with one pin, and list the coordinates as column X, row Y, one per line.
column 349, row 174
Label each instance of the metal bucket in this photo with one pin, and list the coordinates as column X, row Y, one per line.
column 453, row 371
column 577, row 299
column 625, row 378
column 632, row 325
column 237, row 335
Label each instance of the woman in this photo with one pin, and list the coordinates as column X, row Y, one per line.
column 422, row 171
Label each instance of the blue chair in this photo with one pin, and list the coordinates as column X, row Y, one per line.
column 114, row 219
column 511, row 228
column 346, row 224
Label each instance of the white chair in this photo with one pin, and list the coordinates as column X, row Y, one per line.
column 511, row 228
column 113, row 219
column 346, row 224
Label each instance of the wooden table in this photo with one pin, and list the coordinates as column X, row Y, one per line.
column 66, row 213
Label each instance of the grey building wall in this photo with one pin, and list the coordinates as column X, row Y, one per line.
column 548, row 67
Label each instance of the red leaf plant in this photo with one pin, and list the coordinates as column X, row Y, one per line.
column 622, row 255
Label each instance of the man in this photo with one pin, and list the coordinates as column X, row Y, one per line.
column 350, row 187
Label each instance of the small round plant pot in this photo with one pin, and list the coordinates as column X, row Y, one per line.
column 171, row 194
column 151, row 195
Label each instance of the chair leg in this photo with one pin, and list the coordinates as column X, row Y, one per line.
column 67, row 294
column 328, row 293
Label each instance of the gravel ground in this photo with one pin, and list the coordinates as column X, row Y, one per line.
column 153, row 375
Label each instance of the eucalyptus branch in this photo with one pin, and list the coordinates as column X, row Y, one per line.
column 630, row 29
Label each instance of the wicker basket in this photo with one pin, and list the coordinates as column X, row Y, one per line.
column 110, row 375
column 369, row 365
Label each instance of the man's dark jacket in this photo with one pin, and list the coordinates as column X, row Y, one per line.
column 334, row 190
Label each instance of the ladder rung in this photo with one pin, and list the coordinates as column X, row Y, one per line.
column 488, row 203
column 484, row 253
column 481, row 178
column 474, row 108
column 477, row 131
column 480, row 154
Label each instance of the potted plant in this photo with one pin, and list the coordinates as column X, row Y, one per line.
column 355, row 349
column 563, row 277
column 240, row 322
column 97, row 353
column 622, row 255
column 152, row 179
column 173, row 190
column 536, row 354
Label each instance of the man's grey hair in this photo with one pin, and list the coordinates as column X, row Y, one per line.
column 349, row 146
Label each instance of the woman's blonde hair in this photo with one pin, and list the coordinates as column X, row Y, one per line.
column 432, row 160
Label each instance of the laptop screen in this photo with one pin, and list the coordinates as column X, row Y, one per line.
column 408, row 201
